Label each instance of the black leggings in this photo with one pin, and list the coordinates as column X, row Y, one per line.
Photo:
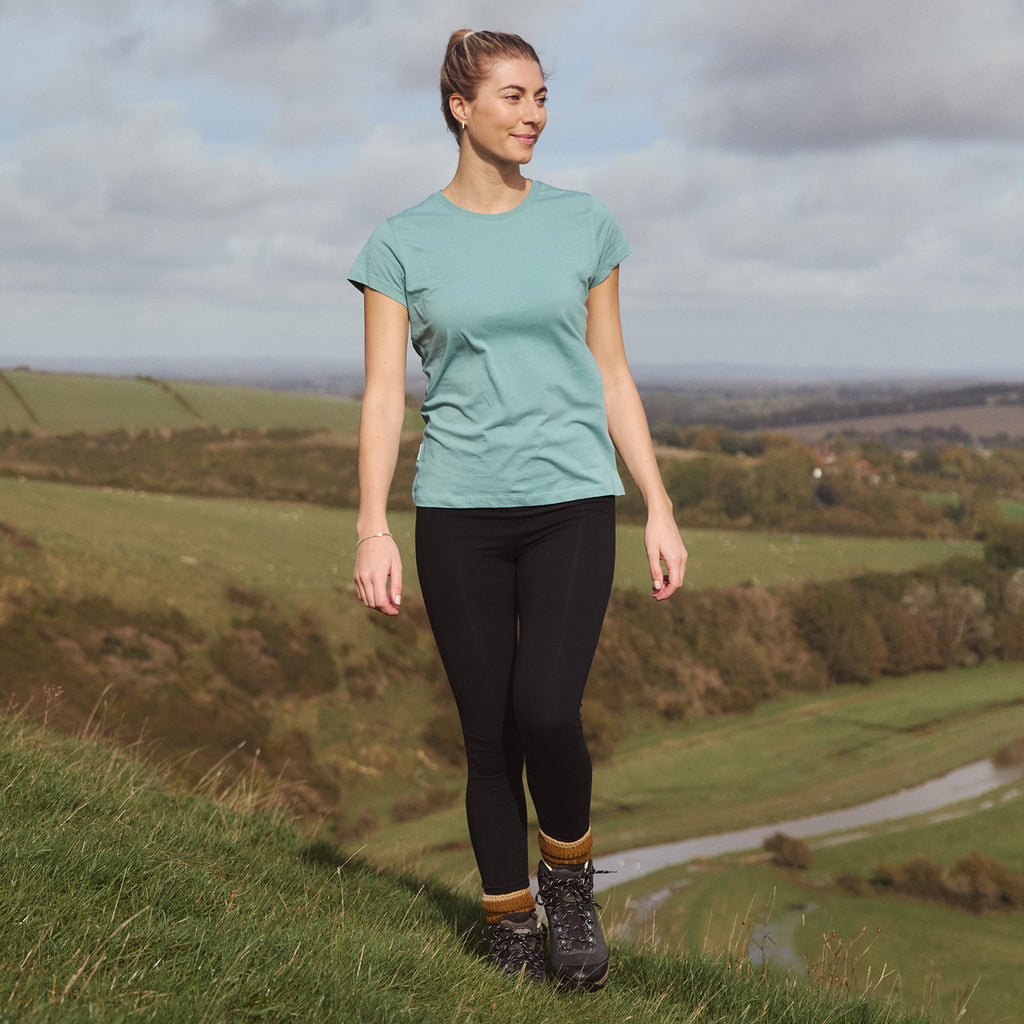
column 516, row 598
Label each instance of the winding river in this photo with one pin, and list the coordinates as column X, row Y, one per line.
column 967, row 783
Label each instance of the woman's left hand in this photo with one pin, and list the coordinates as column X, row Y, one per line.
column 666, row 555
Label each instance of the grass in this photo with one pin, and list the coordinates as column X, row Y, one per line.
column 1013, row 510
column 67, row 403
column 126, row 902
column 188, row 549
column 185, row 551
column 64, row 403
column 724, row 558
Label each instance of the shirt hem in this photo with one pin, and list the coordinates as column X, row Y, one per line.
column 527, row 500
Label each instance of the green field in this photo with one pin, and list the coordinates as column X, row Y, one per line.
column 65, row 403
column 56, row 403
column 1013, row 510
column 149, row 547
column 725, row 558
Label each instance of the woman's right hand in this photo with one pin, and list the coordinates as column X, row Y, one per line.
column 378, row 574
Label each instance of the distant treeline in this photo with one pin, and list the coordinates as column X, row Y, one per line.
column 725, row 479
column 745, row 409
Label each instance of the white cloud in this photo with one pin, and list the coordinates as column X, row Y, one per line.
column 807, row 74
column 894, row 227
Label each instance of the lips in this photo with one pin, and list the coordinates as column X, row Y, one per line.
column 526, row 140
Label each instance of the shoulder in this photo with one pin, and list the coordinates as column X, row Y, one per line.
column 550, row 194
column 425, row 208
column 572, row 200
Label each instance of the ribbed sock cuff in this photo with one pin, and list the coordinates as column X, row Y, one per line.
column 495, row 907
column 555, row 852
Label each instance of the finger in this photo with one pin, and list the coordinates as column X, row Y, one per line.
column 396, row 583
column 672, row 578
column 677, row 570
column 658, row 578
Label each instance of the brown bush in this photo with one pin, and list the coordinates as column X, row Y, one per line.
column 271, row 657
column 976, row 883
column 850, row 883
column 985, row 884
column 788, row 851
column 1011, row 755
column 834, row 621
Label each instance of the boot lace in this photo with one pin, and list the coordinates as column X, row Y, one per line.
column 514, row 949
column 569, row 903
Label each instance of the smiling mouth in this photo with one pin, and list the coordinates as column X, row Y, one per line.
column 528, row 140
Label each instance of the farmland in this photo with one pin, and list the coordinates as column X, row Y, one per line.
column 178, row 557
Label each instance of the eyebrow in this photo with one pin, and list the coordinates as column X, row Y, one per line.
column 522, row 88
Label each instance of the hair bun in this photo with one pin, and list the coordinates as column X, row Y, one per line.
column 457, row 37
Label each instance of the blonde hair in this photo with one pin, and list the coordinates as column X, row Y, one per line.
column 468, row 61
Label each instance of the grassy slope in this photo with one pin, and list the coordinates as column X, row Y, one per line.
column 124, row 902
column 65, row 403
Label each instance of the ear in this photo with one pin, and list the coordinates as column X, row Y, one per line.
column 457, row 105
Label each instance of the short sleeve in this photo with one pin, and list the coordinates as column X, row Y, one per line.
column 611, row 247
column 379, row 266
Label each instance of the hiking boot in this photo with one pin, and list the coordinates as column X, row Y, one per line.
column 518, row 945
column 578, row 953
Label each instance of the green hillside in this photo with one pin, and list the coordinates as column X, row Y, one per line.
column 123, row 901
column 66, row 403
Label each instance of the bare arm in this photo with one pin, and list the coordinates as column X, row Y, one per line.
column 386, row 330
column 627, row 424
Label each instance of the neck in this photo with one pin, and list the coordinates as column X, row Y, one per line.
column 483, row 187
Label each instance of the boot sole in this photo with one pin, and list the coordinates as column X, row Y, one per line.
column 581, row 981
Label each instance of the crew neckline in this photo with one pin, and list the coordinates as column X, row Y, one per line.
column 493, row 216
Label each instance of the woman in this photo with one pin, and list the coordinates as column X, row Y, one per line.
column 510, row 289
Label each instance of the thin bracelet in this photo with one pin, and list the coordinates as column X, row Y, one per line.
column 370, row 536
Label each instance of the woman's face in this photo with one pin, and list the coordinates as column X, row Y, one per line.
column 505, row 119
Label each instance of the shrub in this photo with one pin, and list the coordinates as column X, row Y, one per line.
column 788, row 852
column 853, row 884
column 1005, row 548
column 976, row 883
column 834, row 622
column 266, row 656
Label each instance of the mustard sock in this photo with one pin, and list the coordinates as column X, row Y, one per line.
column 495, row 907
column 555, row 852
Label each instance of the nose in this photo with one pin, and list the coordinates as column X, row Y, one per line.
column 534, row 115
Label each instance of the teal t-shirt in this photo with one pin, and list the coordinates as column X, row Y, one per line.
column 514, row 407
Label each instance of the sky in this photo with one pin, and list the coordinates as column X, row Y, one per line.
column 806, row 184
